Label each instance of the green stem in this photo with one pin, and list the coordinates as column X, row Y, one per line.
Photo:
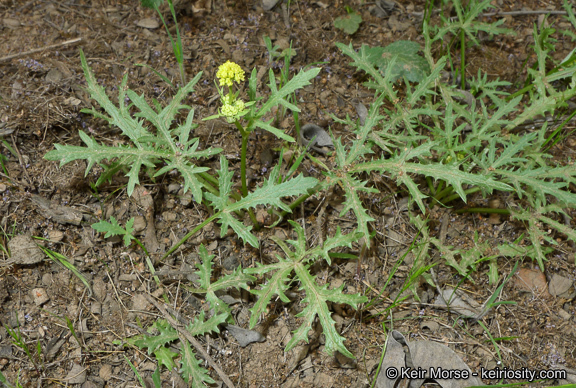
column 245, row 136
column 442, row 192
column 243, row 166
column 205, row 176
column 557, row 131
column 463, row 59
column 142, row 246
column 296, row 123
column 456, row 195
column 190, row 234
column 177, row 46
column 207, row 181
column 430, row 186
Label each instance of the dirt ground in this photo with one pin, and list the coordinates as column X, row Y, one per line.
column 41, row 97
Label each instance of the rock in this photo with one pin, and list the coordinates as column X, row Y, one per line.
column 139, row 224
column 531, row 280
column 559, row 285
column 148, row 23
column 170, row 216
column 54, row 76
column 231, row 262
column 139, row 302
column 186, row 199
column 77, row 375
column 173, row 188
column 24, row 251
column 47, row 279
column 99, row 288
column 40, row 296
column 96, row 308
column 105, row 372
column 245, row 337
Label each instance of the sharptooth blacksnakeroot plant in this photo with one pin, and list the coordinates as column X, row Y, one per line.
column 169, row 145
column 298, row 261
column 460, row 147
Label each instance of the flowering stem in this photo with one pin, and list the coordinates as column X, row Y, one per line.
column 245, row 134
column 243, row 157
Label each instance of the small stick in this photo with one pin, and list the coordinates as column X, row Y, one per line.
column 12, row 56
column 192, row 340
column 521, row 13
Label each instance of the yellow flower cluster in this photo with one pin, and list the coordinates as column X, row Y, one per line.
column 229, row 72
column 231, row 109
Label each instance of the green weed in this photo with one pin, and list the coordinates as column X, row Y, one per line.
column 235, row 110
column 299, row 261
column 160, row 345
column 466, row 25
column 466, row 147
column 34, row 355
column 349, row 23
column 176, row 43
column 7, row 384
column 173, row 146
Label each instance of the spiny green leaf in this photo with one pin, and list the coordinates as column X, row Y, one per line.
column 362, row 62
column 276, row 285
column 537, row 235
column 535, row 183
column 165, row 357
column 113, row 228
column 274, row 131
column 424, row 87
column 515, row 250
column 199, row 326
column 359, row 147
column 297, row 82
column 192, row 370
column 153, row 342
column 316, row 300
column 270, row 193
column 224, row 183
column 238, row 279
column 352, row 187
column 400, row 167
column 336, row 241
column 509, row 155
column 148, row 148
column 299, row 244
column 316, row 296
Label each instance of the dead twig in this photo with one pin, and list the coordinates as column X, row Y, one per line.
column 34, row 51
column 192, row 340
column 522, row 13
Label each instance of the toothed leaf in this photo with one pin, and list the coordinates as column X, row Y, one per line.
column 192, row 370
column 148, row 148
column 298, row 262
column 270, row 193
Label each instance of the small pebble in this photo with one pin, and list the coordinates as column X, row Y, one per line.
column 173, row 188
column 40, row 296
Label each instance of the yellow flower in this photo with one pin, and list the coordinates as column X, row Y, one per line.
column 229, row 72
column 231, row 110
